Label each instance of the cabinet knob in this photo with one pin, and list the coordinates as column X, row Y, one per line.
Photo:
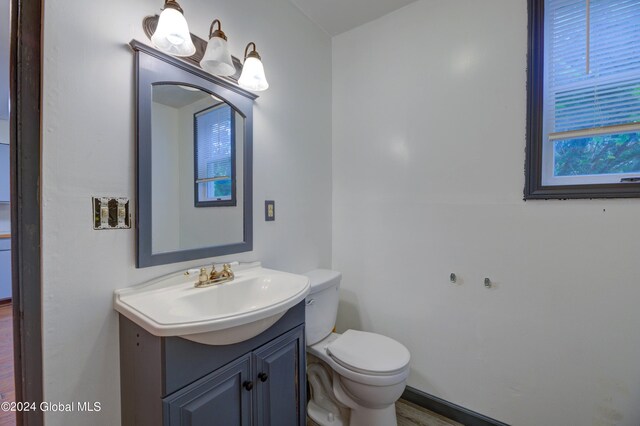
column 263, row 377
column 248, row 385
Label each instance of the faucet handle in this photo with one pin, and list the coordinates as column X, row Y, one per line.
column 203, row 278
column 226, row 271
column 214, row 274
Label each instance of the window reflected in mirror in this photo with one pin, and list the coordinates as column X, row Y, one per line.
column 196, row 168
column 214, row 140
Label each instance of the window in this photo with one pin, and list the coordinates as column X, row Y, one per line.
column 583, row 136
column 214, row 136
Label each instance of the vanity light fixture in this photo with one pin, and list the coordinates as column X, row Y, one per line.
column 217, row 58
column 252, row 77
column 172, row 34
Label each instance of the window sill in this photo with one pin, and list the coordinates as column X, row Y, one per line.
column 628, row 190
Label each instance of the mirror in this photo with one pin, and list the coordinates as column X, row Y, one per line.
column 196, row 169
column 194, row 175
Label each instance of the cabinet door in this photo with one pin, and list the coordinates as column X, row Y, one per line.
column 221, row 398
column 4, row 172
column 5, row 274
column 281, row 381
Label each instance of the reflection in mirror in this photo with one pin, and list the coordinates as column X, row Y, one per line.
column 213, row 144
column 197, row 169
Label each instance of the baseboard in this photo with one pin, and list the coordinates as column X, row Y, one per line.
column 448, row 409
column 5, row 302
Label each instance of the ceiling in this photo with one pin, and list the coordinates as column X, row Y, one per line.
column 177, row 96
column 338, row 16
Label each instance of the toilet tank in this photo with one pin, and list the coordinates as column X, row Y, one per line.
column 321, row 304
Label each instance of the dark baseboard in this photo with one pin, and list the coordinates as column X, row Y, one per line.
column 448, row 409
column 5, row 302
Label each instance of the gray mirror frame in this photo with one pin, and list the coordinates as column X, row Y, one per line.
column 153, row 67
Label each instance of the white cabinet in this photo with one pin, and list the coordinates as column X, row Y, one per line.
column 4, row 173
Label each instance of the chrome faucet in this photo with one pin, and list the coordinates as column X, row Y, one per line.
column 214, row 277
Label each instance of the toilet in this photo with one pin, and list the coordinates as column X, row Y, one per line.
column 355, row 377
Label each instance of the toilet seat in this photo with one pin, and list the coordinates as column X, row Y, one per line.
column 369, row 353
column 320, row 351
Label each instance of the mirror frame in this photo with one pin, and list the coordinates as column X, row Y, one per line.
column 154, row 67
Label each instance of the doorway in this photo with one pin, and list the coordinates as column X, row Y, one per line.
column 7, row 382
column 23, row 18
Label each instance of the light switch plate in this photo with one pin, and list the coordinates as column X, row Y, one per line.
column 269, row 210
column 111, row 213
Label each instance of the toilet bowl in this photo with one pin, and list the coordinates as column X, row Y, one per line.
column 369, row 371
column 323, row 407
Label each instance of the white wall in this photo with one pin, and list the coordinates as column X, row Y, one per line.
column 165, row 178
column 428, row 155
column 89, row 149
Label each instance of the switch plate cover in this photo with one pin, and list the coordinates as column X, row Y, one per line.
column 269, row 210
column 111, row 213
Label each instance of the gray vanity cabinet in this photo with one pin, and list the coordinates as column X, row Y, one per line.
column 222, row 394
column 263, row 385
column 171, row 381
column 277, row 364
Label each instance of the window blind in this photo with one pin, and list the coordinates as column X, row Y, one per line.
column 213, row 135
column 592, row 67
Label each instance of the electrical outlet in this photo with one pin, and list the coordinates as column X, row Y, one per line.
column 269, row 210
column 111, row 213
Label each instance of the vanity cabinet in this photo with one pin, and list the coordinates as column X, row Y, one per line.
column 223, row 394
column 277, row 364
column 171, row 381
column 264, row 383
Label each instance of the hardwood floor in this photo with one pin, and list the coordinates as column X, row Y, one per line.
column 6, row 363
column 412, row 415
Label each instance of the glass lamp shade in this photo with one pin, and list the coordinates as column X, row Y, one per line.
column 252, row 76
column 217, row 59
column 172, row 34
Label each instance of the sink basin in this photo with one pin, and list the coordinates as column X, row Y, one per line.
column 218, row 315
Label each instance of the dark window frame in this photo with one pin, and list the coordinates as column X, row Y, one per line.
column 214, row 203
column 533, row 188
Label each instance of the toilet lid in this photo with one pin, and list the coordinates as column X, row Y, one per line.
column 369, row 353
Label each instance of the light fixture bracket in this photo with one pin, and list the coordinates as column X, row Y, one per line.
column 218, row 32
column 253, row 53
column 173, row 4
